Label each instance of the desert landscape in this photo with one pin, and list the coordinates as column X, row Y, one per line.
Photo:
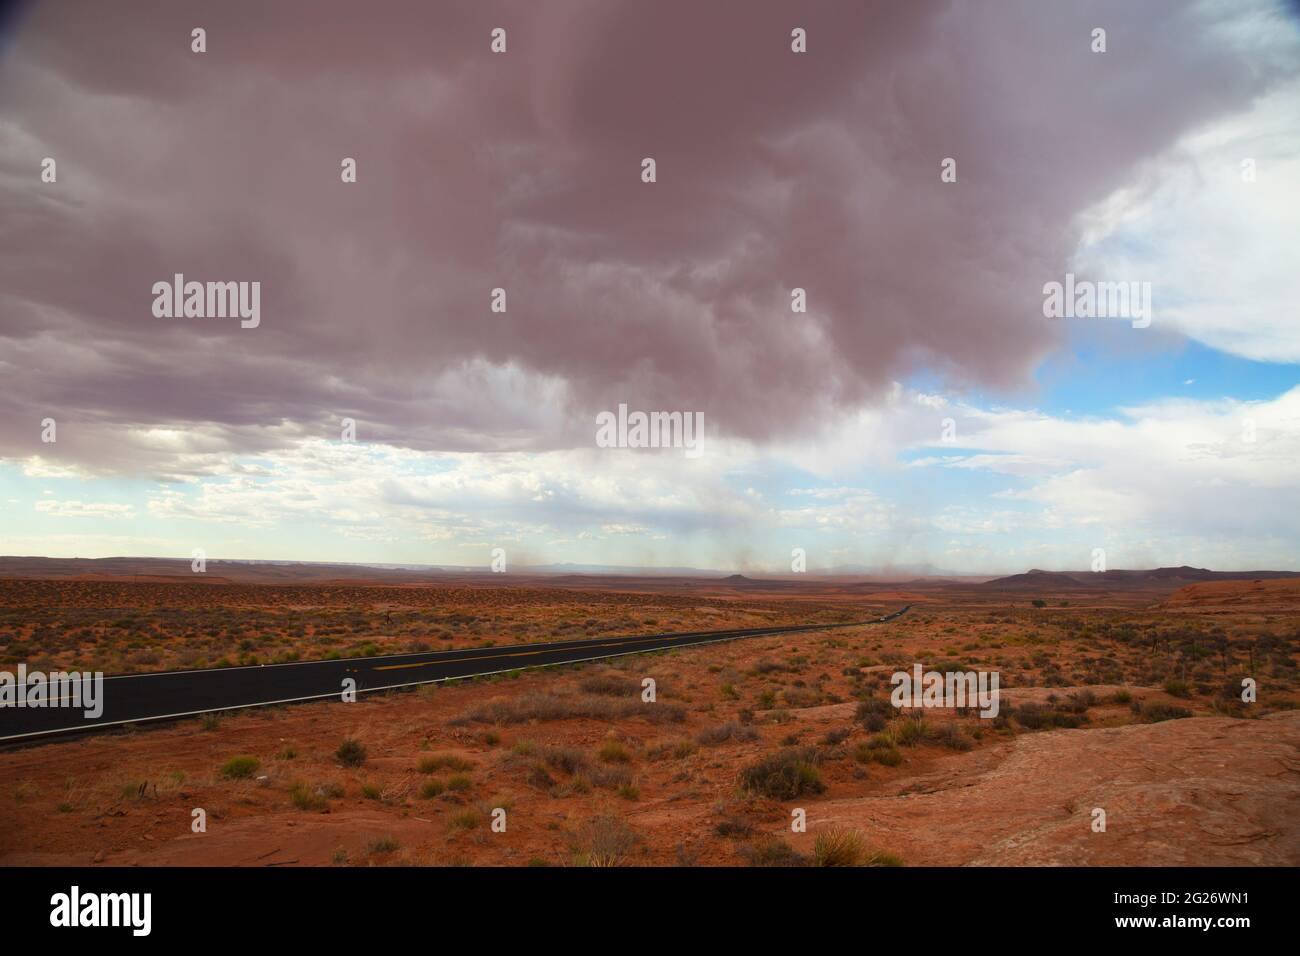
column 711, row 441
column 1123, row 696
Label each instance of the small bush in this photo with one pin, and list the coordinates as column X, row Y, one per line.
column 910, row 731
column 873, row 714
column 722, row 733
column 604, row 841
column 1155, row 713
column 385, row 844
column 1034, row 716
column 568, row 760
column 784, row 775
column 950, row 736
column 771, row 851
column 609, row 685
column 612, row 751
column 239, row 768
column 733, row 826
column 839, row 848
column 351, row 753
column 888, row 756
column 833, row 738
column 305, row 797
column 676, row 749
column 466, row 819
column 436, row 762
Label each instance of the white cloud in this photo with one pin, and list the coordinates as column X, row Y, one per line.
column 83, row 509
column 1219, row 252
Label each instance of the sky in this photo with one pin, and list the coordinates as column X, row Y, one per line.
column 922, row 171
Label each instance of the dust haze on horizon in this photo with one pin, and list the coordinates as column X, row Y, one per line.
column 922, row 412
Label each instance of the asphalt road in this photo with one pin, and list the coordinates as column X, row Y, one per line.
column 132, row 698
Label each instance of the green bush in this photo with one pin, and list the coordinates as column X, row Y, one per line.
column 305, row 797
column 784, row 775
column 351, row 753
column 239, row 768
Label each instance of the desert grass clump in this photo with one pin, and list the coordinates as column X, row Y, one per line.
column 879, row 748
column 873, row 714
column 771, row 852
column 951, row 736
column 604, row 841
column 610, row 685
column 1155, row 713
column 842, row 847
column 240, row 768
column 1032, row 716
column 546, row 706
column 725, row 732
column 306, row 797
column 801, row 697
column 1081, row 700
column 674, row 749
column 436, row 762
column 833, row 738
column 1178, row 688
column 459, row 783
column 466, row 819
column 432, row 788
column 733, row 826
column 610, row 776
column 614, row 751
column 839, row 847
column 568, row 760
column 784, row 775
column 910, row 731
column 351, row 753
column 384, row 844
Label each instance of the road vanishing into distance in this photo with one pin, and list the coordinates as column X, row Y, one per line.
column 132, row 698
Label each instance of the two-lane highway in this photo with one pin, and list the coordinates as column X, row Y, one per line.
column 132, row 698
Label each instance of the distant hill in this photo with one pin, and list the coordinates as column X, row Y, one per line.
column 1176, row 577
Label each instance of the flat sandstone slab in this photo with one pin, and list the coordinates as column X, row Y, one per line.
column 1194, row 792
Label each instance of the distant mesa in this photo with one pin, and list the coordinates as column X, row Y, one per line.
column 1038, row 579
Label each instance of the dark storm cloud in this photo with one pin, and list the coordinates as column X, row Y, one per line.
column 522, row 171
